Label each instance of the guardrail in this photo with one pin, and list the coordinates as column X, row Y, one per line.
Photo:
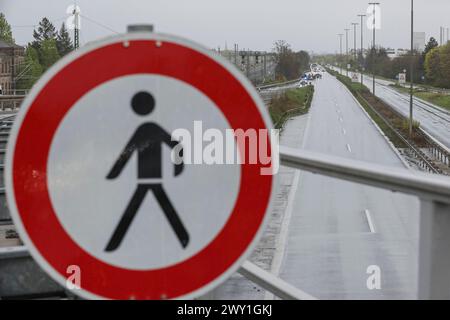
column 439, row 150
column 275, row 85
column 17, row 92
column 424, row 162
column 10, row 102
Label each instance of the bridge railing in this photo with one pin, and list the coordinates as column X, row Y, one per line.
column 433, row 192
column 11, row 102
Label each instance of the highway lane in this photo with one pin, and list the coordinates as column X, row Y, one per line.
column 266, row 254
column 337, row 229
column 433, row 119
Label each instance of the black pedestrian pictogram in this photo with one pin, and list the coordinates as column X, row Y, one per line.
column 147, row 141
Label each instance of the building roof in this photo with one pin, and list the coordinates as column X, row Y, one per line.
column 4, row 44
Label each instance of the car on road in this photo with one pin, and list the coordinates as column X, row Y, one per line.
column 304, row 82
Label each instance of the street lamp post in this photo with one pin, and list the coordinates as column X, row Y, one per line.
column 340, row 46
column 411, row 91
column 374, row 4
column 362, row 47
column 355, row 54
column 346, row 52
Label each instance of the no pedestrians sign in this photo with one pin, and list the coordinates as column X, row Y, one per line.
column 115, row 169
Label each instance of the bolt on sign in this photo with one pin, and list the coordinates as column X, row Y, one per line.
column 104, row 185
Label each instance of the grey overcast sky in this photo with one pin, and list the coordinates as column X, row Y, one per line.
column 306, row 24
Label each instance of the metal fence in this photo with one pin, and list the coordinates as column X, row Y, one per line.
column 11, row 102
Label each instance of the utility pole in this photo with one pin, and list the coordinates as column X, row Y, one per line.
column 346, row 50
column 265, row 65
column 76, row 31
column 248, row 63
column 411, row 91
column 340, row 46
column 354, row 24
column 362, row 47
column 374, row 4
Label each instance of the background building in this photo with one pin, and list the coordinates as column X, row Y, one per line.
column 11, row 55
column 419, row 41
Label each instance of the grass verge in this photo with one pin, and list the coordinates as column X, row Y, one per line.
column 291, row 103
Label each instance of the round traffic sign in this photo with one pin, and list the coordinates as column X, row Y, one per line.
column 114, row 168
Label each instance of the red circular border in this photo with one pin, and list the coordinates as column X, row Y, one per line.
column 33, row 145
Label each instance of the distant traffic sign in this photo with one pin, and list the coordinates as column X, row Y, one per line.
column 93, row 184
column 402, row 78
column 355, row 77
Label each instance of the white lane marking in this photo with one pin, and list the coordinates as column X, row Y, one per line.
column 341, row 119
column 349, row 148
column 284, row 232
column 344, row 132
column 370, row 221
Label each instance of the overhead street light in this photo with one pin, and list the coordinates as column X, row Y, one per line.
column 346, row 45
column 340, row 35
column 354, row 24
column 411, row 92
column 362, row 47
column 374, row 26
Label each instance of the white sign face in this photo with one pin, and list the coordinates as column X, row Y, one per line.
column 402, row 78
column 152, row 177
column 355, row 77
column 149, row 242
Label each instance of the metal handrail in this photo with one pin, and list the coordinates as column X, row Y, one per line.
column 272, row 283
column 433, row 191
column 399, row 180
column 12, row 97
